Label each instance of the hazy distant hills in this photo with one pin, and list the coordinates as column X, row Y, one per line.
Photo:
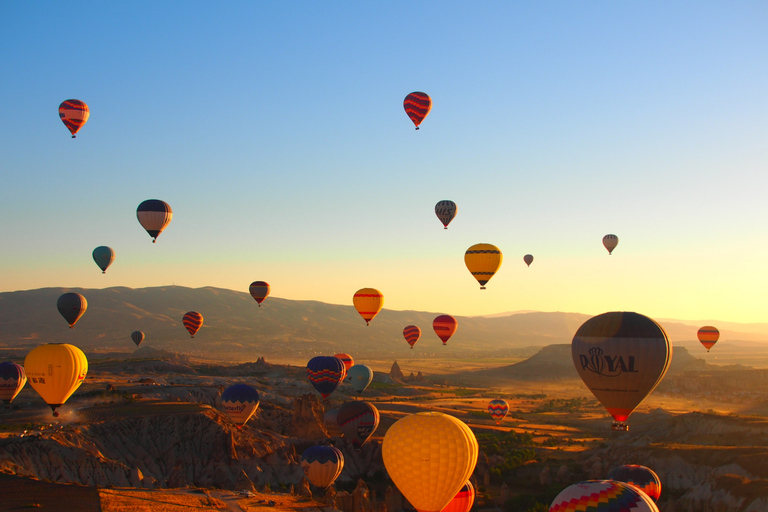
column 235, row 328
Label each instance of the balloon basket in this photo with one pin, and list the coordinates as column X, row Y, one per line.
column 620, row 426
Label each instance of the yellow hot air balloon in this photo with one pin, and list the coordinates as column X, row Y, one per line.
column 483, row 260
column 368, row 302
column 429, row 456
column 55, row 371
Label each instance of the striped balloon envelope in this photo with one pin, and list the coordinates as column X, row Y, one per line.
column 463, row 500
column 325, row 373
column 445, row 211
column 610, row 242
column 498, row 409
column 483, row 261
column 12, row 379
column 193, row 321
column 708, row 336
column 74, row 114
column 368, row 302
column 259, row 291
column 346, row 359
column 137, row 337
column 411, row 333
column 322, row 465
column 240, row 402
column 445, row 326
column 417, row 105
column 72, row 307
column 154, row 216
column 602, row 496
column 641, row 477
column 358, row 421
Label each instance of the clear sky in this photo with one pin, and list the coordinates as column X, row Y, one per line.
column 276, row 132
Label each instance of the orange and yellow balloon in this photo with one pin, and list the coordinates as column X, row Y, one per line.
column 708, row 336
column 483, row 260
column 368, row 302
column 55, row 371
column 74, row 114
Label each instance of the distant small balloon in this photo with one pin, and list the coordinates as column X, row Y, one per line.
column 417, row 105
column 498, row 409
column 103, row 256
column 72, row 306
column 240, row 402
column 137, row 337
column 610, row 242
column 411, row 333
column 358, row 421
column 192, row 322
column 528, row 259
column 12, row 380
column 154, row 216
column 259, row 291
column 368, row 302
column 346, row 359
column 360, row 376
column 322, row 465
column 74, row 114
column 445, row 211
column 445, row 326
column 483, row 261
column 708, row 336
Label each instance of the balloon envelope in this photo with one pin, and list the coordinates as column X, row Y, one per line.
column 528, row 259
column 621, row 357
column 322, row 465
column 429, row 456
column 368, row 302
column 12, row 380
column 417, row 105
column 74, row 114
column 325, row 373
column 346, row 359
column 463, row 500
column 445, row 326
column 55, row 371
column 641, row 477
column 103, row 256
column 358, row 421
column 72, row 306
column 498, row 409
column 602, row 495
column 240, row 402
column 445, row 211
column 192, row 322
column 259, row 291
column 137, row 337
column 411, row 333
column 360, row 376
column 483, row 261
column 610, row 242
column 154, row 216
column 708, row 336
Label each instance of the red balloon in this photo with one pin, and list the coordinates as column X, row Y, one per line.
column 445, row 326
column 193, row 321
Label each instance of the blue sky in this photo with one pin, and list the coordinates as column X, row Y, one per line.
column 276, row 132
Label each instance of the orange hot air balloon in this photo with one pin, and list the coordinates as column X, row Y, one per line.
column 259, row 291
column 346, row 359
column 463, row 500
column 368, row 302
column 193, row 321
column 445, row 326
column 708, row 336
column 621, row 357
column 55, row 371
column 417, row 105
column 74, row 114
column 411, row 333
column 483, row 261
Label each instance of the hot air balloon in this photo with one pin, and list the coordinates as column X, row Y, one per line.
column 610, row 242
column 708, row 336
column 368, row 302
column 411, row 334
column 528, row 259
column 463, row 500
column 621, row 357
column 240, row 402
column 74, row 114
column 417, row 105
column 55, row 371
column 259, row 291
column 346, row 359
column 154, row 215
column 445, row 326
column 602, row 495
column 498, row 408
column 137, row 337
column 322, row 465
column 192, row 321
column 360, row 376
column 331, row 423
column 72, row 306
column 103, row 256
column 12, row 379
column 325, row 373
column 357, row 420
column 445, row 211
column 429, row 456
column 483, row 260
column 641, row 477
